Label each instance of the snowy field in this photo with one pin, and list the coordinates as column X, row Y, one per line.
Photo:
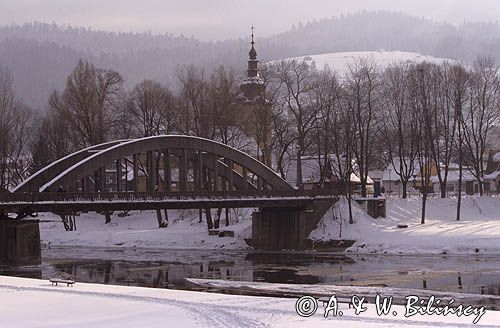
column 477, row 232
column 35, row 303
column 339, row 61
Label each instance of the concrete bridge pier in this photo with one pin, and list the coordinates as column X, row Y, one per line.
column 277, row 229
column 287, row 228
column 20, row 242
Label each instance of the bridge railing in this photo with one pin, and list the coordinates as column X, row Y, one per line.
column 162, row 196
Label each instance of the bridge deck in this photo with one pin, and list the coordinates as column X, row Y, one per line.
column 113, row 201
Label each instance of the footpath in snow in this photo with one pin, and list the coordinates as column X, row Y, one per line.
column 35, row 303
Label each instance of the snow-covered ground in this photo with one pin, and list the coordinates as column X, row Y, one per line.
column 339, row 61
column 140, row 229
column 476, row 232
column 35, row 303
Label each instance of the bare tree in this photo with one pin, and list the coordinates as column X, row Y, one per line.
column 458, row 83
column 297, row 78
column 223, row 92
column 444, row 121
column 195, row 116
column 264, row 115
column 481, row 115
column 400, row 132
column 151, row 106
column 51, row 140
column 339, row 132
column 282, row 137
column 420, row 102
column 88, row 103
column 363, row 96
column 15, row 122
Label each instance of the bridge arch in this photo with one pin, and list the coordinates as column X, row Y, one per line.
column 47, row 173
column 230, row 167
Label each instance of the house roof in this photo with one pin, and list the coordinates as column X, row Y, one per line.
column 453, row 177
column 496, row 157
column 389, row 174
column 492, row 176
column 311, row 169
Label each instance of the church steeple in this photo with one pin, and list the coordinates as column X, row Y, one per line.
column 253, row 85
column 253, row 108
column 253, row 63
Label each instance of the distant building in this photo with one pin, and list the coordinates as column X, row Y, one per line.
column 390, row 179
column 254, row 111
column 469, row 182
column 492, row 172
column 316, row 176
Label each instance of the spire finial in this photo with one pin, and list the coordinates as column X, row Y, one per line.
column 253, row 69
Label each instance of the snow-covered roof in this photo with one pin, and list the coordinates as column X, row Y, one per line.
column 492, row 176
column 311, row 170
column 453, row 177
column 355, row 178
column 389, row 174
column 253, row 80
column 496, row 157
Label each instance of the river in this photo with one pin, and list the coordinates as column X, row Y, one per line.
column 479, row 274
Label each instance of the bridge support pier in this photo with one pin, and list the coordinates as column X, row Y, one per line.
column 20, row 242
column 277, row 229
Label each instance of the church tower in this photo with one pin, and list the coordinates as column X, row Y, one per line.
column 254, row 110
column 253, row 86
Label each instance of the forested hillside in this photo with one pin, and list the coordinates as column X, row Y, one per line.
column 40, row 56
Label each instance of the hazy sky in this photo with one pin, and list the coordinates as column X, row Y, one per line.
column 221, row 19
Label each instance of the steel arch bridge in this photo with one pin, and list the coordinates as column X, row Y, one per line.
column 166, row 163
column 174, row 172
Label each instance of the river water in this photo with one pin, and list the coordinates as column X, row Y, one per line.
column 478, row 274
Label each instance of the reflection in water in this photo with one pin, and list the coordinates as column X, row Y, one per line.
column 149, row 274
column 168, row 268
column 34, row 272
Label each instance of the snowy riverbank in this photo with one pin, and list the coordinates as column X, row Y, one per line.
column 477, row 232
column 140, row 229
column 35, row 303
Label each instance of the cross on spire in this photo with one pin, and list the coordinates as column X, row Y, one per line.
column 253, row 63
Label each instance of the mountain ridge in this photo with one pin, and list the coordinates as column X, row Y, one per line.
column 40, row 56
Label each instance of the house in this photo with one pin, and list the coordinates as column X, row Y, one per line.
column 312, row 177
column 492, row 172
column 390, row 180
column 470, row 184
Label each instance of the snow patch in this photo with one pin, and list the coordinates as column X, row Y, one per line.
column 476, row 232
column 339, row 61
column 140, row 229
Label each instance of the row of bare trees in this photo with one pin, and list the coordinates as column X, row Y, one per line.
column 408, row 115
column 15, row 123
column 418, row 117
column 94, row 107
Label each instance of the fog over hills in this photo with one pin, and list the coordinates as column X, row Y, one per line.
column 40, row 56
